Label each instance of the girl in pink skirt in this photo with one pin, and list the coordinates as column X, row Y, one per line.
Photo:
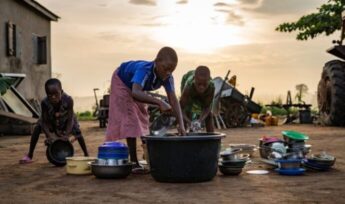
column 128, row 115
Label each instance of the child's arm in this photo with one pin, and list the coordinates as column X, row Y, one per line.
column 183, row 104
column 177, row 111
column 207, row 106
column 140, row 95
column 46, row 126
column 70, row 114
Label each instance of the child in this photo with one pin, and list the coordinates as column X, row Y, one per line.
column 128, row 115
column 197, row 91
column 57, row 119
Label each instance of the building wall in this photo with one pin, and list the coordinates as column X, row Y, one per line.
column 29, row 24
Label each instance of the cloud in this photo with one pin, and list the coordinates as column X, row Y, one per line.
column 273, row 6
column 143, row 2
column 157, row 17
column 221, row 4
column 108, row 36
column 248, row 1
column 102, row 5
column 182, row 2
column 286, row 6
column 222, row 10
column 234, row 19
column 153, row 24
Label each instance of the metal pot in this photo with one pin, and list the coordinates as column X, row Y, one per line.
column 230, row 154
column 237, row 163
column 229, row 170
column 79, row 165
column 111, row 172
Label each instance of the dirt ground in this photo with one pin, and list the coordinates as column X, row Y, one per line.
column 41, row 182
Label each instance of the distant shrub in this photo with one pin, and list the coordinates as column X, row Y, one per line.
column 274, row 110
column 86, row 115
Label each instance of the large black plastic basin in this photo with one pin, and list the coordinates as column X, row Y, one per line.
column 192, row 158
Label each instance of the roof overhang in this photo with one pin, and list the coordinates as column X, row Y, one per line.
column 41, row 9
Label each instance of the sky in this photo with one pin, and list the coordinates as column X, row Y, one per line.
column 94, row 37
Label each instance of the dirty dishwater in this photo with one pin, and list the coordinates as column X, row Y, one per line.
column 161, row 125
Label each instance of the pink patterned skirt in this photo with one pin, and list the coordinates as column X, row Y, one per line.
column 127, row 117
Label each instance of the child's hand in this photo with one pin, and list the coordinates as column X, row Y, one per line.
column 73, row 139
column 64, row 137
column 48, row 141
column 181, row 131
column 164, row 107
column 196, row 126
column 59, row 133
column 187, row 125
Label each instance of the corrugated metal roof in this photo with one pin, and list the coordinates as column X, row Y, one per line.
column 41, row 9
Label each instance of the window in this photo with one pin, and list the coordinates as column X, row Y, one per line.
column 11, row 39
column 40, row 49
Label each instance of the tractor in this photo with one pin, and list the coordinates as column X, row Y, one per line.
column 331, row 88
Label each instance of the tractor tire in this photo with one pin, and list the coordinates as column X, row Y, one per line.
column 236, row 115
column 331, row 94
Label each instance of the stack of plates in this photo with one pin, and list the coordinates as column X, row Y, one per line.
column 232, row 167
column 319, row 164
column 289, row 163
column 290, row 167
column 290, row 172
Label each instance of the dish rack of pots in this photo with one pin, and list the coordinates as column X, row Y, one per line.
column 290, row 155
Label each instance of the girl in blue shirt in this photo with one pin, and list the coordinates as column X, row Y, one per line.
column 128, row 115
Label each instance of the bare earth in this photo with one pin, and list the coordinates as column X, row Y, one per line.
column 41, row 182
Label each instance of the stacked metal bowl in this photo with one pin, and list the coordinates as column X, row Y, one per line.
column 290, row 167
column 231, row 162
column 247, row 149
column 112, row 161
column 295, row 142
column 319, row 162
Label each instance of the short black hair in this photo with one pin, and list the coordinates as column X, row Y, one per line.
column 203, row 71
column 53, row 81
column 167, row 53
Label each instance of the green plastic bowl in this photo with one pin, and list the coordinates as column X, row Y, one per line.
column 295, row 135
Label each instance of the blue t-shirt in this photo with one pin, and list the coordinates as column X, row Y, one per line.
column 142, row 73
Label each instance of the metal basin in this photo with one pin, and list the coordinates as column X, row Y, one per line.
column 110, row 172
column 58, row 151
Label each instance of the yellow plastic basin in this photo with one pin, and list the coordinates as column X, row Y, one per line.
column 79, row 165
